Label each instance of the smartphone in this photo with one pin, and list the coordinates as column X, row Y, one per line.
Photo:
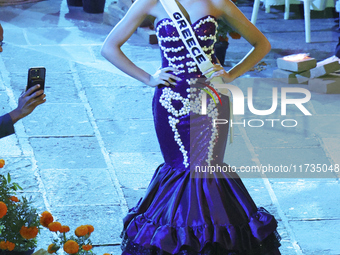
column 36, row 75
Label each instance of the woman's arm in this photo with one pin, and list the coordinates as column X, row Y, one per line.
column 111, row 48
column 248, row 31
column 120, row 34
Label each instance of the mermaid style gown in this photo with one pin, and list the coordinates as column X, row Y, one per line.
column 181, row 212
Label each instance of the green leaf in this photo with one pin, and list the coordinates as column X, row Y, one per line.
column 16, row 186
column 8, row 178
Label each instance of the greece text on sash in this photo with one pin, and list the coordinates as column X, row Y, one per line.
column 188, row 37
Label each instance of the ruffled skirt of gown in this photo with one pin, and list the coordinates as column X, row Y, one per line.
column 186, row 214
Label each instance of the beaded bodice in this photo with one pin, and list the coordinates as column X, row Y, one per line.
column 177, row 108
column 173, row 51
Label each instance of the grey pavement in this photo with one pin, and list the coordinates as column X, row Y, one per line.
column 88, row 153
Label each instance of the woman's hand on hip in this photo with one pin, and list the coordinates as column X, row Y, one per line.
column 218, row 71
column 163, row 77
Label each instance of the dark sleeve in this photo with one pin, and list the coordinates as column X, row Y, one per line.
column 6, row 125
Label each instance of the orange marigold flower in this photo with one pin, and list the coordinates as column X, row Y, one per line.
column 3, row 245
column 54, row 226
column 14, row 199
column 3, row 209
column 107, row 254
column 6, row 245
column 64, row 229
column 28, row 233
column 81, row 231
column 52, row 248
column 24, row 232
column 46, row 218
column 223, row 39
column 90, row 228
column 71, row 247
column 234, row 35
column 10, row 246
column 34, row 231
column 2, row 163
column 87, row 247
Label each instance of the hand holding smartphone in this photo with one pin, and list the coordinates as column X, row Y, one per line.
column 30, row 99
column 36, row 75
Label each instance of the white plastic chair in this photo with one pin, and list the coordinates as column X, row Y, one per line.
column 306, row 5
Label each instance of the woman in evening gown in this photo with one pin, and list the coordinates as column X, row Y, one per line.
column 184, row 212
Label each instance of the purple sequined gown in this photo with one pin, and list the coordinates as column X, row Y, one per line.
column 180, row 214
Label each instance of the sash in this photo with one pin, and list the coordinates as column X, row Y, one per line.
column 190, row 41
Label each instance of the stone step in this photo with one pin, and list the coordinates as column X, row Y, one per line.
column 324, row 68
column 296, row 66
column 328, row 84
column 285, row 76
column 301, row 79
column 327, row 66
